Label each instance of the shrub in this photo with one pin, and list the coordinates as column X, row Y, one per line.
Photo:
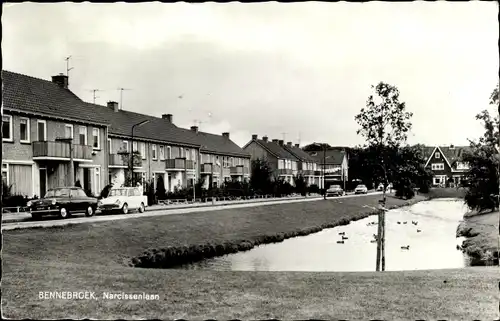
column 300, row 185
column 313, row 189
column 160, row 188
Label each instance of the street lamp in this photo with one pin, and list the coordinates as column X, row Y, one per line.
column 131, row 161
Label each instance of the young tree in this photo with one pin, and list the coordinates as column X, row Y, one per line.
column 483, row 159
column 385, row 124
column 300, row 184
column 160, row 188
column 260, row 180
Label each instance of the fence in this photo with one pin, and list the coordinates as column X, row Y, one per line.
column 16, row 209
column 224, row 198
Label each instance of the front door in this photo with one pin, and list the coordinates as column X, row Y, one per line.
column 43, row 181
column 86, row 180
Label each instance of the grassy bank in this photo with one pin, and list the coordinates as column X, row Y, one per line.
column 446, row 193
column 481, row 231
column 200, row 295
column 94, row 257
column 115, row 243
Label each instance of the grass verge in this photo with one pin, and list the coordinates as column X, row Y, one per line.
column 92, row 257
column 481, row 231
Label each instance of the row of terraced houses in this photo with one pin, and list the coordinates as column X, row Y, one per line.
column 37, row 113
column 40, row 115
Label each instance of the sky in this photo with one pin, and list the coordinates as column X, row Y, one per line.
column 293, row 71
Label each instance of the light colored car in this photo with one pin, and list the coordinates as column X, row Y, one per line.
column 361, row 189
column 335, row 190
column 123, row 199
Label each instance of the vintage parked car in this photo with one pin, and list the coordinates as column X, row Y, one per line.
column 335, row 190
column 63, row 201
column 123, row 199
column 381, row 187
column 361, row 189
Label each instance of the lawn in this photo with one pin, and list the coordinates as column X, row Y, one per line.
column 94, row 257
column 481, row 231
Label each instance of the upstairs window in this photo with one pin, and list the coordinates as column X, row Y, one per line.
column 68, row 131
column 82, row 137
column 42, row 130
column 437, row 155
column 162, row 152
column 153, row 149
column 7, row 128
column 24, row 130
column 143, row 150
column 96, row 138
column 437, row 167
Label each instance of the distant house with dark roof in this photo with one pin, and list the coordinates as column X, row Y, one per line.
column 38, row 111
column 446, row 163
column 283, row 163
column 335, row 164
column 308, row 166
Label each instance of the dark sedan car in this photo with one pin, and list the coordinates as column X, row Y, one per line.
column 63, row 201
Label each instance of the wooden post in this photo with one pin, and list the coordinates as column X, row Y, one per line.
column 379, row 240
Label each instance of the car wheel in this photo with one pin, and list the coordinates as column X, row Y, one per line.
column 89, row 212
column 125, row 208
column 63, row 213
column 141, row 208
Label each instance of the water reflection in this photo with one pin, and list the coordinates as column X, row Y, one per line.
column 428, row 228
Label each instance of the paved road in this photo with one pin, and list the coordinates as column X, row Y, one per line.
column 47, row 222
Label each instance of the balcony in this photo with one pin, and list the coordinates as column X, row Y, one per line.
column 60, row 150
column 238, row 170
column 306, row 172
column 285, row 171
column 317, row 173
column 206, row 168
column 179, row 164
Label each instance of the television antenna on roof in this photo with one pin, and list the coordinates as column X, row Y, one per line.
column 94, row 91
column 67, row 65
column 121, row 96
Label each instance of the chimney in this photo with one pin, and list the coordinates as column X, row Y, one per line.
column 113, row 105
column 254, row 137
column 281, row 142
column 275, row 141
column 194, row 128
column 168, row 117
column 265, row 138
column 289, row 144
column 226, row 135
column 452, row 146
column 297, row 145
column 61, row 80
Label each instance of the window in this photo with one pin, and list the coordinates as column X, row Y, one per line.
column 5, row 174
column 162, row 152
column 7, row 127
column 231, row 161
column 24, row 130
column 437, row 167
column 169, row 152
column 281, row 164
column 41, row 130
column 193, row 155
column 437, row 155
column 109, row 146
column 125, row 146
column 153, row 148
column 143, row 150
column 134, row 147
column 96, row 138
column 78, row 193
column 68, row 131
column 82, row 135
column 188, row 154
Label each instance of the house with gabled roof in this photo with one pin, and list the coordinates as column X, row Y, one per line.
column 38, row 112
column 334, row 163
column 446, row 164
column 36, row 115
column 283, row 163
column 308, row 166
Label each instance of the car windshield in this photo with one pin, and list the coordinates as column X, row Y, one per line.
column 361, row 186
column 59, row 192
column 335, row 187
column 118, row 192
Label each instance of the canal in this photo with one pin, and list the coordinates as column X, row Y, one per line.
column 428, row 229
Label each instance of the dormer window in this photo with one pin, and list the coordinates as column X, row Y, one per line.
column 437, row 155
